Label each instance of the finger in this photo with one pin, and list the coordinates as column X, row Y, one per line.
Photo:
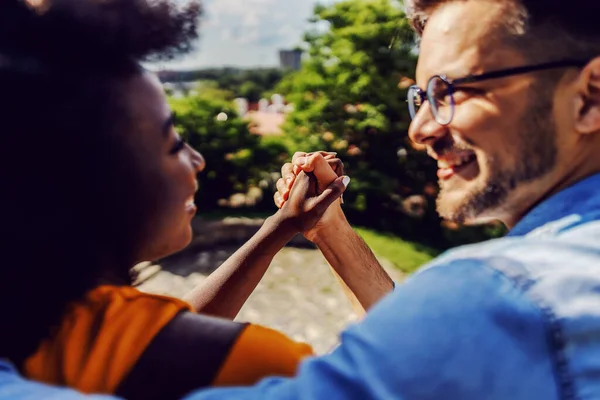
column 288, row 175
column 337, row 166
column 278, row 200
column 335, row 163
column 333, row 192
column 321, row 170
column 297, row 155
column 301, row 188
column 328, row 155
column 281, row 186
column 323, row 153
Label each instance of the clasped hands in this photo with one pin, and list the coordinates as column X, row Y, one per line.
column 309, row 193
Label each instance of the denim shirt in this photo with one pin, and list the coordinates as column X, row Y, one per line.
column 511, row 318
column 14, row 387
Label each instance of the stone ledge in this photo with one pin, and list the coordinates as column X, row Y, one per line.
column 231, row 231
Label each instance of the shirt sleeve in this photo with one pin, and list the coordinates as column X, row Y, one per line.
column 456, row 331
column 14, row 387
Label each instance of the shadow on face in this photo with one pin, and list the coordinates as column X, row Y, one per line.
column 167, row 167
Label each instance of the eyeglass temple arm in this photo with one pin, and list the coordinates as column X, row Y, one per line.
column 520, row 70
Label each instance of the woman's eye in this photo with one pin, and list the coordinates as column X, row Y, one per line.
column 179, row 145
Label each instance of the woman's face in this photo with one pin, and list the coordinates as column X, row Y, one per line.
column 167, row 168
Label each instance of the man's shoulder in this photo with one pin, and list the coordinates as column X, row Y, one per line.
column 14, row 387
column 550, row 267
column 457, row 331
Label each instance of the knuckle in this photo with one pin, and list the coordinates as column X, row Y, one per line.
column 298, row 154
column 286, row 167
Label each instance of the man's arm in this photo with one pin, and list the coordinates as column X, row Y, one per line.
column 361, row 276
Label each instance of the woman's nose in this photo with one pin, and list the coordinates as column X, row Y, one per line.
column 197, row 160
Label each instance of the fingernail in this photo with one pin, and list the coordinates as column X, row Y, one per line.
column 346, row 181
column 333, row 153
column 302, row 161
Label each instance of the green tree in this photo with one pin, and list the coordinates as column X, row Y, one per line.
column 349, row 97
column 251, row 91
column 236, row 159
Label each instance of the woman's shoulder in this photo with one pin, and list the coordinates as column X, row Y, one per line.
column 101, row 337
column 125, row 296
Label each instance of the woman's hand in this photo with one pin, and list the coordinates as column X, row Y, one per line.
column 307, row 201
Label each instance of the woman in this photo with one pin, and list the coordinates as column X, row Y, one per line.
column 96, row 179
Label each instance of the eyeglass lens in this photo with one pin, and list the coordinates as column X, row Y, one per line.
column 439, row 95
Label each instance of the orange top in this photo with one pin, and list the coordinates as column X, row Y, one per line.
column 102, row 337
column 260, row 352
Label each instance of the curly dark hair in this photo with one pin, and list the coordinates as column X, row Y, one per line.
column 72, row 208
column 548, row 29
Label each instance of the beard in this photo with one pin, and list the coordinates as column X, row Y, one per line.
column 536, row 154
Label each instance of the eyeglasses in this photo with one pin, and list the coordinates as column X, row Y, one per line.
column 440, row 90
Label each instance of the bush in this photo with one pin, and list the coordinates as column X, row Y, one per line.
column 238, row 162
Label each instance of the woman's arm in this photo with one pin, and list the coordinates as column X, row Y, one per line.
column 225, row 291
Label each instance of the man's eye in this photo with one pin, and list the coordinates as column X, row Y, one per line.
column 463, row 93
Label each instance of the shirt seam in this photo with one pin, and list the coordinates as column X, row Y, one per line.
column 554, row 333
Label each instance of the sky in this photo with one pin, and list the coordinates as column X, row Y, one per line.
column 247, row 33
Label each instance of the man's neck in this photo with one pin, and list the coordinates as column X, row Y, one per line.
column 554, row 186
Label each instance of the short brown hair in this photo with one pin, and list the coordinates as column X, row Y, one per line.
column 543, row 29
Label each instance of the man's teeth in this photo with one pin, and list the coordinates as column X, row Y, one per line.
column 459, row 161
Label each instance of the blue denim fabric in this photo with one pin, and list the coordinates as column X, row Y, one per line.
column 513, row 318
column 13, row 387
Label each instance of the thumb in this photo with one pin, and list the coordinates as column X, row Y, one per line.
column 320, row 167
column 332, row 193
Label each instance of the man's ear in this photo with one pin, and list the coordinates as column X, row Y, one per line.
column 587, row 119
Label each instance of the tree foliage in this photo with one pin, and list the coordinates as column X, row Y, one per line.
column 350, row 97
column 249, row 83
column 236, row 159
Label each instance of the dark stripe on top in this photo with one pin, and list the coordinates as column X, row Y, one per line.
column 186, row 355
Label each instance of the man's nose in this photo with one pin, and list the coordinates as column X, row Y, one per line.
column 424, row 129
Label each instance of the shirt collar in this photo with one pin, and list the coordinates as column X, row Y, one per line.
column 567, row 205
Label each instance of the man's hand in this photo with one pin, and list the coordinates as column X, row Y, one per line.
column 326, row 168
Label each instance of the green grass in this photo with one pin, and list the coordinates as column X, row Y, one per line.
column 406, row 256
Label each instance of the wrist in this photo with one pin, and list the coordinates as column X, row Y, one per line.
column 330, row 227
column 280, row 225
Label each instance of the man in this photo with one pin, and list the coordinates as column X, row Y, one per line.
column 508, row 102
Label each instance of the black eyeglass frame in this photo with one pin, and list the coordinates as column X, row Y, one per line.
column 451, row 83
